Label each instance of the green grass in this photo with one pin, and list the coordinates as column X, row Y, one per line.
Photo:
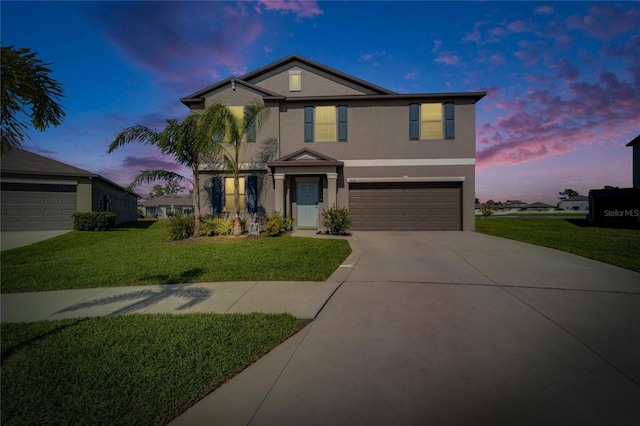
column 140, row 254
column 620, row 247
column 127, row 370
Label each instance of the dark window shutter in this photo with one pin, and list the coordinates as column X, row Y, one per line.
column 414, row 122
column 342, row 123
column 217, row 194
column 251, row 129
column 251, row 194
column 449, row 125
column 308, row 124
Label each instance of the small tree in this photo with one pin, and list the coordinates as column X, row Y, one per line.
column 568, row 193
column 229, row 132
column 182, row 140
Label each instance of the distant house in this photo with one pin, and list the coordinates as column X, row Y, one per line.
column 576, row 202
column 40, row 194
column 397, row 161
column 537, row 207
column 166, row 206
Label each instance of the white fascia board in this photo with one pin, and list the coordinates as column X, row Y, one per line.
column 407, row 179
column 407, row 162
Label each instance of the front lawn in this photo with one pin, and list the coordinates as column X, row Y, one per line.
column 127, row 370
column 620, row 247
column 140, row 254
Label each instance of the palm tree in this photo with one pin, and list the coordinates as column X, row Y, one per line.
column 26, row 85
column 184, row 141
column 230, row 131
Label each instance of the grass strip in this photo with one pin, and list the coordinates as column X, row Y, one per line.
column 127, row 370
column 140, row 254
column 619, row 247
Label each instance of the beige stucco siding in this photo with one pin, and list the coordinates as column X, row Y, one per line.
column 313, row 83
column 380, row 131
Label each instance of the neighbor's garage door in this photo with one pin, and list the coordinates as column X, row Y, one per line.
column 37, row 207
column 406, row 206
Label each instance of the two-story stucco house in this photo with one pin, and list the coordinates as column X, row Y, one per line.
column 397, row 161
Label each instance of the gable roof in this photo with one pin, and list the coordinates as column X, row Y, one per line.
column 21, row 161
column 305, row 157
column 308, row 62
column 196, row 97
column 378, row 93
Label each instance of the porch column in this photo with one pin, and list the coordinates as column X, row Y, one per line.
column 332, row 189
column 279, row 181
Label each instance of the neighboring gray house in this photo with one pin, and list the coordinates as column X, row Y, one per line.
column 39, row 193
column 397, row 161
column 577, row 202
column 538, row 207
column 167, row 205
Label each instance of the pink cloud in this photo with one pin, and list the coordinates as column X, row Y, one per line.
column 437, row 44
column 544, row 10
column 542, row 123
column 300, row 8
column 606, row 20
column 518, row 26
column 448, row 58
column 412, row 76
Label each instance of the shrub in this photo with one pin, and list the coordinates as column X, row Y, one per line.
column 274, row 225
column 181, row 227
column 214, row 226
column 93, row 221
column 337, row 220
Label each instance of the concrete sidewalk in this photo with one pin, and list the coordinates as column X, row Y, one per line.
column 14, row 239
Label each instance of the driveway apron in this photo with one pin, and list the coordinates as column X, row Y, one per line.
column 452, row 328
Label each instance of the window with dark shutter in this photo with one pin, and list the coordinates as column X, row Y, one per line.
column 251, row 192
column 249, row 114
column 308, row 124
column 342, row 123
column 414, row 122
column 217, row 194
column 449, row 124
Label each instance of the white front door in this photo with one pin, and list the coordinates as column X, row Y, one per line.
column 307, row 195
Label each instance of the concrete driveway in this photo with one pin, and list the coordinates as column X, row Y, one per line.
column 451, row 328
column 14, row 239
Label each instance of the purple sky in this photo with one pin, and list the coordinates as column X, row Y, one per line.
column 562, row 78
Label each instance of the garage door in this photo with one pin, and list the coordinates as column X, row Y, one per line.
column 406, row 206
column 36, row 207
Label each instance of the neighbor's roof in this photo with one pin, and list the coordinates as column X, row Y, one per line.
column 635, row 141
column 22, row 162
column 168, row 200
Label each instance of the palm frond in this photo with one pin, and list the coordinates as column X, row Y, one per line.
column 137, row 133
column 148, row 176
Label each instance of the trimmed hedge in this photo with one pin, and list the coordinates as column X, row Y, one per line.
column 93, row 221
column 337, row 220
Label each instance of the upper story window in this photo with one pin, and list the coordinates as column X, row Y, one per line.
column 295, row 80
column 325, row 123
column 431, row 121
column 239, row 112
